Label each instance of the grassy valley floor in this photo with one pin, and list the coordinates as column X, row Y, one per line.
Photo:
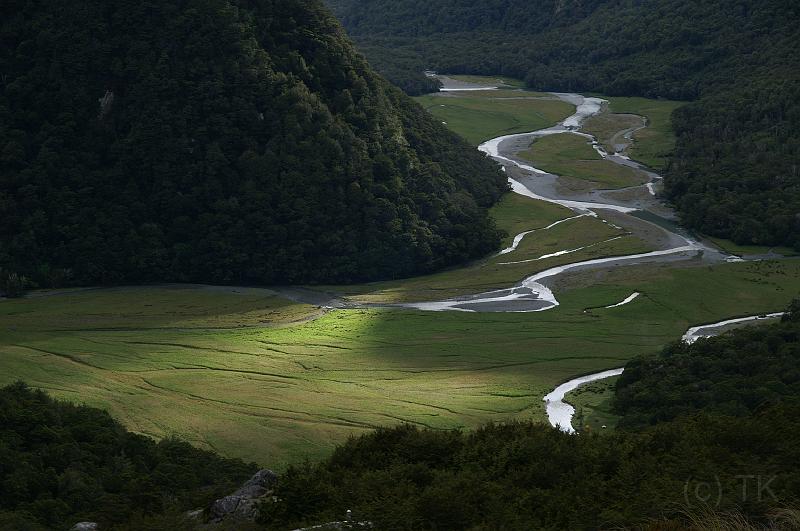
column 481, row 115
column 251, row 375
column 572, row 156
column 243, row 377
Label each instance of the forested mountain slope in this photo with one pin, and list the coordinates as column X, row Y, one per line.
column 735, row 170
column 220, row 141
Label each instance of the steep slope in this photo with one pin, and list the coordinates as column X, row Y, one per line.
column 220, row 141
column 734, row 173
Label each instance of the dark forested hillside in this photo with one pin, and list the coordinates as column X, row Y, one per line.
column 735, row 170
column 220, row 141
column 60, row 464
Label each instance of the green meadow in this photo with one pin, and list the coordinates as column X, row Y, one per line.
column 250, row 376
column 482, row 115
column 570, row 155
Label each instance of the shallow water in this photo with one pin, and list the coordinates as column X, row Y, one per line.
column 712, row 329
column 560, row 413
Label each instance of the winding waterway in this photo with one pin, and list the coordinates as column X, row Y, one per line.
column 533, row 294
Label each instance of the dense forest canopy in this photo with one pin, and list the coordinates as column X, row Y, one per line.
column 220, row 141
column 734, row 173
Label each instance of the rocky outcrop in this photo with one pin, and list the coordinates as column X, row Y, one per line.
column 243, row 504
column 85, row 526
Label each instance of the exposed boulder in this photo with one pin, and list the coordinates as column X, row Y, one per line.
column 243, row 504
column 85, row 526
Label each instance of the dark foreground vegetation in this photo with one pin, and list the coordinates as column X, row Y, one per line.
column 61, row 464
column 528, row 476
column 734, row 173
column 219, row 141
column 707, row 431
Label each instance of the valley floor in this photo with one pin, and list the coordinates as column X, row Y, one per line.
column 251, row 374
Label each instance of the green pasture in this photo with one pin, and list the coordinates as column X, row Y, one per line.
column 481, row 115
column 515, row 213
column 572, row 155
column 273, row 391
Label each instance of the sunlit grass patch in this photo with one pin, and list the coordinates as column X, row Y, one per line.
column 279, row 394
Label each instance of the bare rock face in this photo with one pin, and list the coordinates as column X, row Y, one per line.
column 85, row 526
column 243, row 504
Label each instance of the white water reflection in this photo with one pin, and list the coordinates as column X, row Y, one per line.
column 626, row 300
column 560, row 413
column 708, row 330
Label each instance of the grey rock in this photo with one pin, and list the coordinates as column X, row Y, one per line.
column 258, row 485
column 243, row 504
column 85, row 526
column 197, row 514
